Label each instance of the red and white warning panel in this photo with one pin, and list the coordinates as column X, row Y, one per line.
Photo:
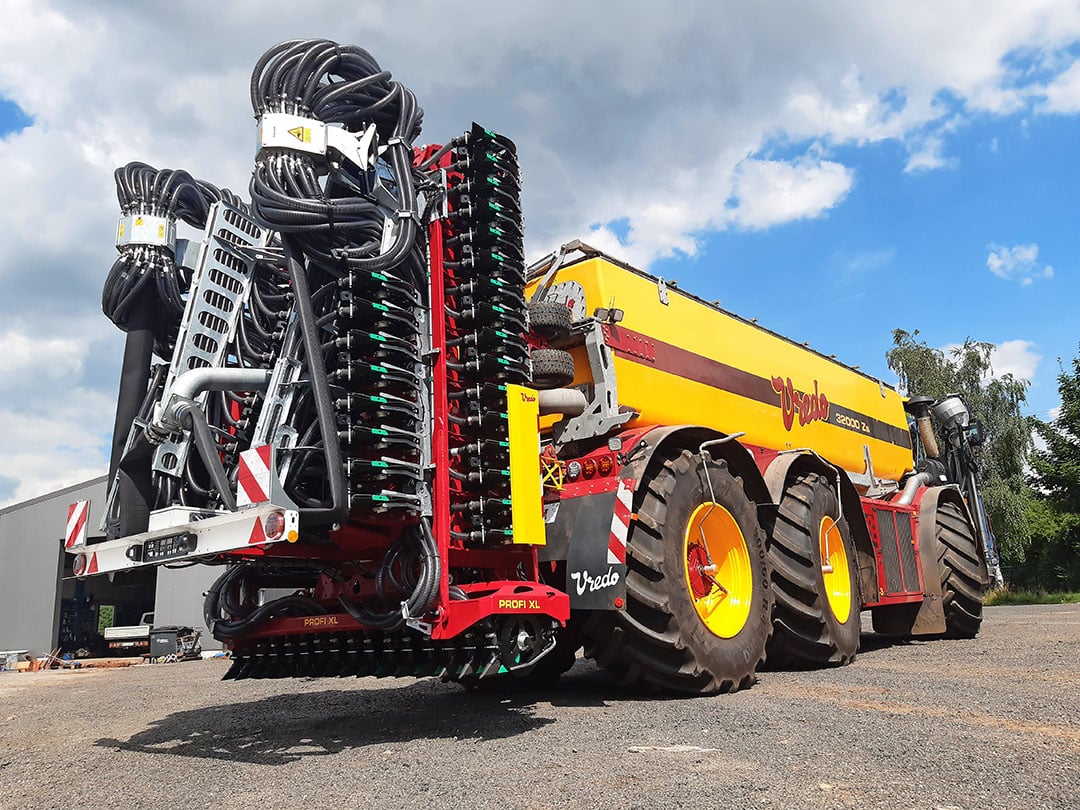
column 620, row 522
column 248, row 530
column 253, row 476
column 78, row 516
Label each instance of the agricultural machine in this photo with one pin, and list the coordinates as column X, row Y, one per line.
column 412, row 454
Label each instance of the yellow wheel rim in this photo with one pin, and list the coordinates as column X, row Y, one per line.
column 718, row 574
column 834, row 569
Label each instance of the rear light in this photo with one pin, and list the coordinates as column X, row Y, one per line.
column 573, row 471
column 78, row 568
column 589, row 467
column 605, row 465
column 274, row 525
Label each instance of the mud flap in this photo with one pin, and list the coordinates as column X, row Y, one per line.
column 581, row 533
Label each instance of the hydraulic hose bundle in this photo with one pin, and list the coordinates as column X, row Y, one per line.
column 348, row 215
column 144, row 294
column 145, row 277
column 486, row 320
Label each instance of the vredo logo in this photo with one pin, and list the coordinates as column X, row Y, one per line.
column 584, row 581
column 810, row 407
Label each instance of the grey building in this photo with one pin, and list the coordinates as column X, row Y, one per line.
column 43, row 607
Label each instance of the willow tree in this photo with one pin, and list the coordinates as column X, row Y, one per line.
column 995, row 401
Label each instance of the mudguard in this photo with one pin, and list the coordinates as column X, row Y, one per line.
column 590, row 531
column 785, row 465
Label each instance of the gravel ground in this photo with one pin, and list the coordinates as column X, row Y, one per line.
column 989, row 723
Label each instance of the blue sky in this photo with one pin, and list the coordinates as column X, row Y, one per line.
column 835, row 168
column 12, row 118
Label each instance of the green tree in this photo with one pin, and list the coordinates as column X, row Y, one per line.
column 1055, row 552
column 994, row 401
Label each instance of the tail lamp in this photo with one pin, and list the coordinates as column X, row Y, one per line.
column 274, row 525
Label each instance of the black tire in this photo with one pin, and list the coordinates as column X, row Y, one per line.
column 659, row 640
column 807, row 632
column 552, row 368
column 962, row 572
column 550, row 320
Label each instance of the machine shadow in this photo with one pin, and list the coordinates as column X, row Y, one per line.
column 870, row 643
column 284, row 728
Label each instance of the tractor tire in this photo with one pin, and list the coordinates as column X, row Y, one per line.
column 816, row 609
column 550, row 320
column 962, row 572
column 552, row 368
column 686, row 629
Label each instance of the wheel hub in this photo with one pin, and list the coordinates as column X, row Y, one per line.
column 834, row 569
column 718, row 573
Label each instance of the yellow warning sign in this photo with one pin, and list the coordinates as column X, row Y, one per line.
column 302, row 134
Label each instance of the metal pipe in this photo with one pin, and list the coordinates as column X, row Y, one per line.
column 911, row 487
column 568, row 401
column 192, row 383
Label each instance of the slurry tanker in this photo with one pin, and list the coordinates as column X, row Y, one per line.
column 411, row 454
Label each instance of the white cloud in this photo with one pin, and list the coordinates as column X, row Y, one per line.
column 928, row 156
column 1015, row 357
column 53, row 425
column 1018, row 263
column 771, row 192
column 51, row 357
column 673, row 125
column 869, row 261
column 1063, row 93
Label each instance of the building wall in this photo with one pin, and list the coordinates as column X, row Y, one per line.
column 31, row 571
column 179, row 598
column 31, row 564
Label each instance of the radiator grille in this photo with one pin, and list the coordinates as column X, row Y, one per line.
column 907, row 553
column 894, row 582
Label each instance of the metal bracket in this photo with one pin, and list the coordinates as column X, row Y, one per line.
column 661, row 288
column 220, row 285
column 603, row 414
column 145, row 229
column 309, row 135
column 875, row 487
column 704, row 461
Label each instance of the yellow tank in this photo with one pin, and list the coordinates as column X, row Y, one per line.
column 689, row 362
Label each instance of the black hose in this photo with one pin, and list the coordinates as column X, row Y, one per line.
column 140, row 268
column 193, row 419
column 420, row 544
column 219, row 599
column 320, row 387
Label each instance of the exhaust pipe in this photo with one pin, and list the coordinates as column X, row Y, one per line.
column 919, row 407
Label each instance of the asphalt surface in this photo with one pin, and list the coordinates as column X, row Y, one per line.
column 988, row 723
